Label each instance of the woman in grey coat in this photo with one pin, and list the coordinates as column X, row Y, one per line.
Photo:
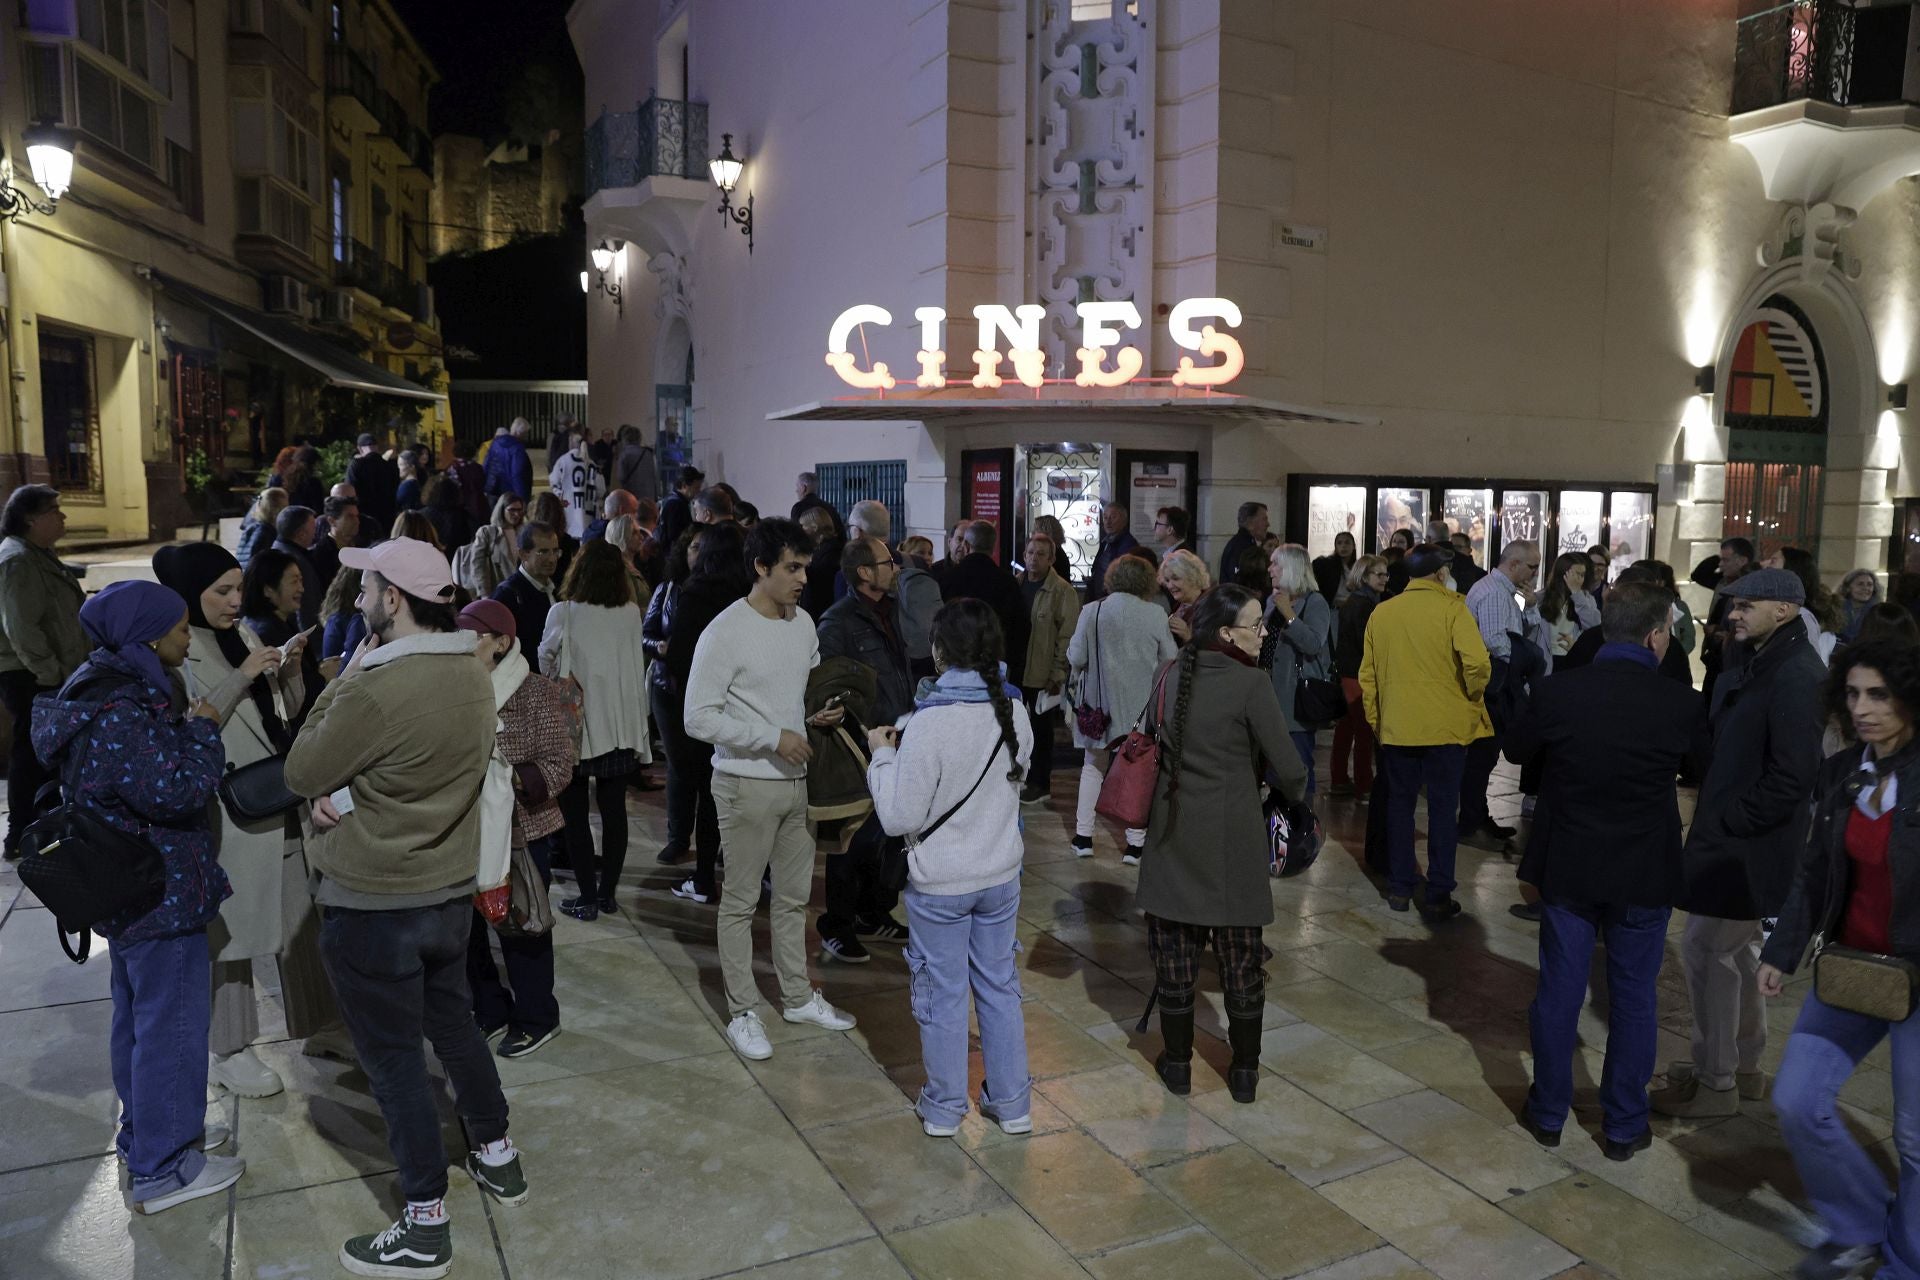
column 1119, row 643
column 257, row 690
column 1299, row 641
column 1204, row 874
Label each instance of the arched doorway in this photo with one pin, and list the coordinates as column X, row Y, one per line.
column 1777, row 411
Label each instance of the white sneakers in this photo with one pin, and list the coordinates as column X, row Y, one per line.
column 243, row 1073
column 749, row 1038
column 1014, row 1127
column 748, row 1035
column 820, row 1014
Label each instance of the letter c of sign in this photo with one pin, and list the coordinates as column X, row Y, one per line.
column 843, row 361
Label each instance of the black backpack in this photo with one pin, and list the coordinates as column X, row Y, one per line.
column 81, row 867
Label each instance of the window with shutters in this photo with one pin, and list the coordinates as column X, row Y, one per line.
column 115, row 81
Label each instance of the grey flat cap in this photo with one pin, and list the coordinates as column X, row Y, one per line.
column 1766, row 584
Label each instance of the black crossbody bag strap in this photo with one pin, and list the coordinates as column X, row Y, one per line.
column 941, row 821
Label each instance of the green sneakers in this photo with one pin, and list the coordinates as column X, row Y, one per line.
column 504, row 1182
column 407, row 1248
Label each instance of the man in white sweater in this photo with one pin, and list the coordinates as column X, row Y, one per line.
column 747, row 696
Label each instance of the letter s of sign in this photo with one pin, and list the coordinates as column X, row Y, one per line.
column 1208, row 342
column 843, row 361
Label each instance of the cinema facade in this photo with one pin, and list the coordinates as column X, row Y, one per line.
column 1642, row 277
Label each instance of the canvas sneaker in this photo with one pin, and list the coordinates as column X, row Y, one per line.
column 219, row 1173
column 820, row 1014
column 845, row 950
column 939, row 1130
column 504, row 1182
column 749, row 1037
column 1083, row 846
column 519, row 1044
column 407, row 1248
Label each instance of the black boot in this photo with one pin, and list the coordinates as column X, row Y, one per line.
column 1244, row 1016
column 1175, row 1063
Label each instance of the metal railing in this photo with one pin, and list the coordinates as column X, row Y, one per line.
column 364, row 269
column 1810, row 50
column 348, row 73
column 661, row 137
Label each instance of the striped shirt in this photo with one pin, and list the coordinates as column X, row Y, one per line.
column 1492, row 604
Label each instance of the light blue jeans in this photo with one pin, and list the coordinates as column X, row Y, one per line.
column 1843, row 1184
column 960, row 942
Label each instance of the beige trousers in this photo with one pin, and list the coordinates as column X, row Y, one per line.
column 1722, row 963
column 763, row 822
column 304, row 991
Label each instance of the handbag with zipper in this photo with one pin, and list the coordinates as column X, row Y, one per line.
column 1866, row 982
column 258, row 791
column 1126, row 793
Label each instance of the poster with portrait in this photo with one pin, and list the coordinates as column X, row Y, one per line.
column 1629, row 530
column 1399, row 509
column 1580, row 519
column 1334, row 509
column 1523, row 518
column 1469, row 511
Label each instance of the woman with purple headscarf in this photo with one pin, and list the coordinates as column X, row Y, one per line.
column 115, row 736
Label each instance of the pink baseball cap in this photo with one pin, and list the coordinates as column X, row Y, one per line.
column 415, row 567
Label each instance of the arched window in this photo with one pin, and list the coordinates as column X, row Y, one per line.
column 1776, row 416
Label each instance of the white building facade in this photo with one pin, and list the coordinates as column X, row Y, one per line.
column 1640, row 272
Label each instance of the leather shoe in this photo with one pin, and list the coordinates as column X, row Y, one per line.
column 1623, row 1151
column 1545, row 1137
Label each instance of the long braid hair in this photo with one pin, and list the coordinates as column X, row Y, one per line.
column 1218, row 608
column 966, row 635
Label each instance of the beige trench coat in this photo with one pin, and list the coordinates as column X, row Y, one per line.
column 259, row 858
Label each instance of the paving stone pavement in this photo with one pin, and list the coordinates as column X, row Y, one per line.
column 1383, row 1143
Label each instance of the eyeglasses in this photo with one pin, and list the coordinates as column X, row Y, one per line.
column 1258, row 628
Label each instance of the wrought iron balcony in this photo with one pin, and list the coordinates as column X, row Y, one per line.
column 659, row 138
column 1822, row 51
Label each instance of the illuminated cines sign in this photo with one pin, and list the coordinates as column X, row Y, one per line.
column 1100, row 324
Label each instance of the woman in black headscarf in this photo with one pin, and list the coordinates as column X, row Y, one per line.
column 258, row 691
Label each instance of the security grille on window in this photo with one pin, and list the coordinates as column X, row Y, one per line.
column 845, row 483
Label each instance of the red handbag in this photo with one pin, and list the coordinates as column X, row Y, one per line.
column 1126, row 793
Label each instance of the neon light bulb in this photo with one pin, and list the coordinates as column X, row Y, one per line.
column 931, row 355
column 1097, row 334
column 1021, row 328
column 987, row 365
column 844, row 362
column 1208, row 342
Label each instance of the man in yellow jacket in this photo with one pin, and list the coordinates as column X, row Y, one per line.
column 1422, row 678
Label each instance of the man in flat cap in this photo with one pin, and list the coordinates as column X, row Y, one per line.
column 1749, row 828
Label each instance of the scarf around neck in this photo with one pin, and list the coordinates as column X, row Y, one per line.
column 957, row 685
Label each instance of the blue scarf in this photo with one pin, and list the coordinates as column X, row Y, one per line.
column 1628, row 653
column 126, row 617
column 956, row 685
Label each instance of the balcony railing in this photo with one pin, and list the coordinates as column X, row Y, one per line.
column 364, row 269
column 659, row 138
column 1822, row 51
column 348, row 73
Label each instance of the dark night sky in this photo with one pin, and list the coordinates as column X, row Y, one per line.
column 482, row 48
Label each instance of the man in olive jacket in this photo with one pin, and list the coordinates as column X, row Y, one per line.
column 41, row 642
column 406, row 733
column 1749, row 830
column 1423, row 678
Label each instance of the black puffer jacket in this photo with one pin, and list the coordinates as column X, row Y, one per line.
column 1818, row 901
column 1750, row 825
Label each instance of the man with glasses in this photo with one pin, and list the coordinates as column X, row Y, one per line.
column 1503, row 605
column 531, row 591
column 1173, row 530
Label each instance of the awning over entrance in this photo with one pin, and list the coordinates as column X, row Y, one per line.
column 338, row 367
column 953, row 407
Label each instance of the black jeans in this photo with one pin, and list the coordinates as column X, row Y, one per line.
column 599, row 879
column 1482, row 755
column 1040, row 768
column 25, row 774
column 401, row 976
column 530, row 1005
column 854, row 888
column 680, row 800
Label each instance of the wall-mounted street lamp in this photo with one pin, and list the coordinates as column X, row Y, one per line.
column 1703, row 380
column 725, row 170
column 603, row 255
column 1897, row 396
column 50, row 158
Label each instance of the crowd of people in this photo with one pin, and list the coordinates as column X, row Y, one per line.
column 379, row 807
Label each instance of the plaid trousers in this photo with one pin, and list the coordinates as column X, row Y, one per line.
column 1176, row 947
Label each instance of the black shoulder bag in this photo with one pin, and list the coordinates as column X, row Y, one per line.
column 83, row 868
